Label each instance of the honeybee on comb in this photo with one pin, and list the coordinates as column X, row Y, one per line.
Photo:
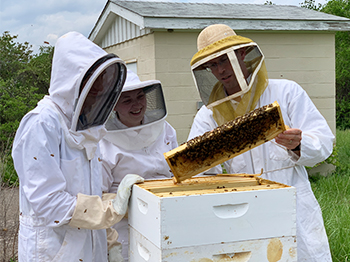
column 225, row 142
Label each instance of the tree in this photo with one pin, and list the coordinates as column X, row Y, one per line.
column 13, row 56
column 342, row 52
column 342, row 58
column 342, row 47
column 24, row 80
column 310, row 4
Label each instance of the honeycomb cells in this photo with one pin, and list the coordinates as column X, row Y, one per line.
column 232, row 137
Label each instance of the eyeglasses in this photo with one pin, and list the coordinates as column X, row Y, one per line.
column 211, row 66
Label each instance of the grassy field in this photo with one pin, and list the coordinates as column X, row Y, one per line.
column 333, row 195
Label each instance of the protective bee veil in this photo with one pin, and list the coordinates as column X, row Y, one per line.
column 138, row 118
column 229, row 72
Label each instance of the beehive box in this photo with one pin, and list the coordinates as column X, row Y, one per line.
column 282, row 249
column 211, row 211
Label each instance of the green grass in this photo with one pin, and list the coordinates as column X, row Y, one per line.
column 343, row 148
column 333, row 195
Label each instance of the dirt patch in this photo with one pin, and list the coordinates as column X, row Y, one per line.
column 9, row 223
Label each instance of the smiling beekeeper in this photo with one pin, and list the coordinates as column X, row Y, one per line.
column 57, row 159
column 231, row 77
column 137, row 136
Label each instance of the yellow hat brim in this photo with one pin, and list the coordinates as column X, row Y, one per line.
column 219, row 46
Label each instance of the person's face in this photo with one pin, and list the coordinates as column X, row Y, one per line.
column 222, row 70
column 100, row 88
column 131, row 107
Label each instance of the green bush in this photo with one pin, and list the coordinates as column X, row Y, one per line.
column 343, row 114
column 24, row 80
column 8, row 174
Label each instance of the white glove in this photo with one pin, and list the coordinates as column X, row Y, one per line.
column 120, row 203
column 115, row 254
column 92, row 213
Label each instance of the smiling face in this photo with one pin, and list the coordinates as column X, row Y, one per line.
column 222, row 70
column 131, row 107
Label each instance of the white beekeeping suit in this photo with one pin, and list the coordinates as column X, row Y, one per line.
column 282, row 160
column 137, row 146
column 57, row 158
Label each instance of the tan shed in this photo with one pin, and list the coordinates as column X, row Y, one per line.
column 158, row 39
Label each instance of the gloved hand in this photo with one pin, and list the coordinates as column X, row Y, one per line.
column 120, row 203
column 115, row 254
column 92, row 213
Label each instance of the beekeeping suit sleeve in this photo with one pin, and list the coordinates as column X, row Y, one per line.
column 203, row 122
column 91, row 212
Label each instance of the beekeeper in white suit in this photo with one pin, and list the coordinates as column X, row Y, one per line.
column 231, row 77
column 55, row 153
column 137, row 136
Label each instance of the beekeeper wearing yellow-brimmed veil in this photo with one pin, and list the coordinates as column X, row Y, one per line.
column 230, row 75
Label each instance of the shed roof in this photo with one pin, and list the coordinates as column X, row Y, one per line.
column 224, row 10
column 195, row 16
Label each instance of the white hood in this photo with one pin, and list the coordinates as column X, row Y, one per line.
column 73, row 56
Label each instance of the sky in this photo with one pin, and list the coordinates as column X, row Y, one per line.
column 42, row 22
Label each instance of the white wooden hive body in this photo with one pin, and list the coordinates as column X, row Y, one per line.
column 211, row 225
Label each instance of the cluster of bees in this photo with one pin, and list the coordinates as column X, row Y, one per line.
column 231, row 137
